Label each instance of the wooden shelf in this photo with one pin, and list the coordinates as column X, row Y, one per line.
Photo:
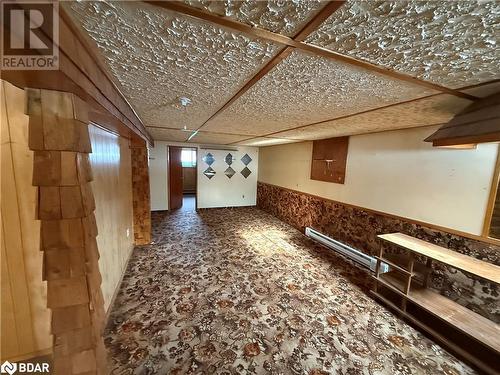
column 465, row 263
column 402, row 260
column 467, row 321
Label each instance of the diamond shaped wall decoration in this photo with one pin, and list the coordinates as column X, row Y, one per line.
column 209, row 159
column 246, row 172
column 229, row 172
column 246, row 159
column 209, row 172
column 229, row 159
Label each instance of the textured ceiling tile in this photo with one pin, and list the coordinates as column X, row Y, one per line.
column 452, row 43
column 159, row 56
column 262, row 142
column 484, row 90
column 304, row 89
column 423, row 112
column 168, row 134
column 216, row 138
column 284, row 17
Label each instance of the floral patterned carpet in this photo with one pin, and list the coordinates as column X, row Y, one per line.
column 236, row 291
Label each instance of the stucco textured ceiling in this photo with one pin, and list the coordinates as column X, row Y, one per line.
column 158, row 56
column 262, row 142
column 169, row 134
column 427, row 111
column 224, row 139
column 304, row 89
column 452, row 43
column 284, row 17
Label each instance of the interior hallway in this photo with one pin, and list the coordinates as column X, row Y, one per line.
column 188, row 203
column 231, row 291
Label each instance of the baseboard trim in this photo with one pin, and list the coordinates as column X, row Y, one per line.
column 31, row 355
column 117, row 289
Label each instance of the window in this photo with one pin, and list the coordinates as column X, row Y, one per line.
column 188, row 157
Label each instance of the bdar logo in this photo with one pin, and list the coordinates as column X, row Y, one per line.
column 8, row 368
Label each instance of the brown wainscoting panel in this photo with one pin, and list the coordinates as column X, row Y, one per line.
column 359, row 227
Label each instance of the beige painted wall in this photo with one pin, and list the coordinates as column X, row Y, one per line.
column 112, row 187
column 25, row 319
column 397, row 173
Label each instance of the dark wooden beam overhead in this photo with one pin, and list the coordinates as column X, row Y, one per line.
column 478, row 123
column 298, row 43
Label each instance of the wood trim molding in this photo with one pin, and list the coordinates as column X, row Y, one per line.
column 261, row 73
column 270, row 135
column 326, row 12
column 200, row 14
column 492, row 197
column 471, row 236
column 330, row 8
column 111, row 84
column 344, row 117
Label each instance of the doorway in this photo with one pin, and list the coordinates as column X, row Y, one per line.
column 182, row 178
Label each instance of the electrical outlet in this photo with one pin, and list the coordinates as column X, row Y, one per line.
column 128, row 232
column 243, row 196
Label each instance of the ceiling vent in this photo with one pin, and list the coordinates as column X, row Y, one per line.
column 478, row 123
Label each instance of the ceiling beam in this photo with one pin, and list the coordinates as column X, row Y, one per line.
column 252, row 81
column 299, row 44
column 80, row 73
column 272, row 134
column 315, row 21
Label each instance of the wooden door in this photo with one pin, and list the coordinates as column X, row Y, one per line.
column 175, row 177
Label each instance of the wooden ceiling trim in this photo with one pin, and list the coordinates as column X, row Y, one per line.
column 203, row 15
column 190, row 131
column 270, row 135
column 320, row 51
column 330, row 8
column 345, row 116
column 94, row 53
column 261, row 73
column 478, row 123
column 78, row 74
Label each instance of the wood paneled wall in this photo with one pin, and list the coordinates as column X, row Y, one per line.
column 25, row 319
column 112, row 186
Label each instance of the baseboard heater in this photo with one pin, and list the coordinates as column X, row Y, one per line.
column 347, row 251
